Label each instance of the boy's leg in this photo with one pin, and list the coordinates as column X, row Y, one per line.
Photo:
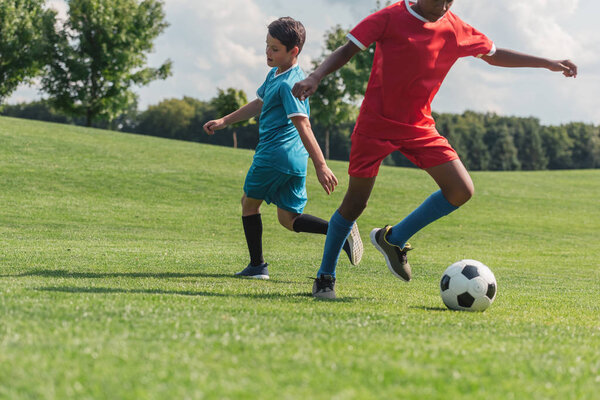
column 291, row 199
column 310, row 224
column 252, row 221
column 340, row 225
column 456, row 189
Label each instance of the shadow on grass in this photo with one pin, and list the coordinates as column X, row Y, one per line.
column 106, row 290
column 429, row 308
column 60, row 273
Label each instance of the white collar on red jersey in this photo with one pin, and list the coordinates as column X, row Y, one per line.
column 417, row 15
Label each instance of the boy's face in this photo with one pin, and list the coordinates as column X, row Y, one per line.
column 277, row 54
column 433, row 9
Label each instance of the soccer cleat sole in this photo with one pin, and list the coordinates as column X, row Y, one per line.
column 324, row 295
column 373, row 237
column 261, row 277
column 356, row 245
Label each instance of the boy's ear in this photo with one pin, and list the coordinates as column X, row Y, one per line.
column 295, row 51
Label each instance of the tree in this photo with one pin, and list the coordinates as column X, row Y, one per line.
column 503, row 152
column 226, row 102
column 331, row 104
column 558, row 147
column 529, row 142
column 100, row 53
column 170, row 118
column 586, row 145
column 23, row 28
column 38, row 110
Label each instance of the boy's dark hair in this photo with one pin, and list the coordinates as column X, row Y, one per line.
column 289, row 32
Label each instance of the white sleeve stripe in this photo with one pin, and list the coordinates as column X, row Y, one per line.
column 297, row 115
column 356, row 42
column 491, row 53
column 257, row 95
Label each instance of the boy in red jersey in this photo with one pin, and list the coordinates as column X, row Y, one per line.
column 417, row 44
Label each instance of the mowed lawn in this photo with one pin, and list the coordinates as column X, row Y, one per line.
column 116, row 260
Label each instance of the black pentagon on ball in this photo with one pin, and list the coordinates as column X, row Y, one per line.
column 470, row 271
column 445, row 283
column 491, row 292
column 465, row 300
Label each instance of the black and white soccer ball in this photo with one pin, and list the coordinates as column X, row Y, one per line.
column 468, row 285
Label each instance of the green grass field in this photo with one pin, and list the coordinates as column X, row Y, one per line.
column 116, row 256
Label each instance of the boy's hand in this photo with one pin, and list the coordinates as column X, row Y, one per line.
column 305, row 88
column 216, row 124
column 327, row 179
column 565, row 66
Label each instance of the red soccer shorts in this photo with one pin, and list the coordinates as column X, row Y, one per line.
column 367, row 153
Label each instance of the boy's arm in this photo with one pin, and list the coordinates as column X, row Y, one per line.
column 324, row 174
column 512, row 59
column 248, row 111
column 335, row 61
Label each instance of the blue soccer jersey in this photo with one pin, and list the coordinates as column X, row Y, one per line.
column 279, row 144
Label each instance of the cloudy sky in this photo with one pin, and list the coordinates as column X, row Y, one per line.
column 220, row 43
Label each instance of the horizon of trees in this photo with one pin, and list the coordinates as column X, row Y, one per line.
column 484, row 141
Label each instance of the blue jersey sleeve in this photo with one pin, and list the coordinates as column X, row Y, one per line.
column 260, row 93
column 293, row 106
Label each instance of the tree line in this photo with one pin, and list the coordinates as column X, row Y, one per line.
column 484, row 141
column 88, row 64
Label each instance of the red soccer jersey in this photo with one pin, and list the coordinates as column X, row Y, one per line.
column 412, row 58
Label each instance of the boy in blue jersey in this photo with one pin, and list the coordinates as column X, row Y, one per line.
column 278, row 171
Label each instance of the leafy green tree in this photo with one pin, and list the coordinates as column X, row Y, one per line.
column 586, row 145
column 328, row 108
column 38, row 110
column 226, row 102
column 532, row 154
column 557, row 147
column 24, row 25
column 100, row 53
column 332, row 103
column 169, row 118
column 470, row 126
column 504, row 153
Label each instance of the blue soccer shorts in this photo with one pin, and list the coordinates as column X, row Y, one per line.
column 287, row 192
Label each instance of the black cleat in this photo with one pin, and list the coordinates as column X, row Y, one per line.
column 324, row 287
column 255, row 272
column 395, row 257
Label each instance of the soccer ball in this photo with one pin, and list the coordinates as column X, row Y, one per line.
column 468, row 285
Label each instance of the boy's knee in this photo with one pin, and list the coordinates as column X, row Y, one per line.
column 286, row 219
column 460, row 197
column 468, row 192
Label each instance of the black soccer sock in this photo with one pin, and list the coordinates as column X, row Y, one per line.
column 253, row 231
column 311, row 224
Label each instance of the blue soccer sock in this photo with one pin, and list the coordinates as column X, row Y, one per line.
column 434, row 207
column 337, row 232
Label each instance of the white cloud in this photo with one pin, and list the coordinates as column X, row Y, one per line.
column 548, row 28
column 60, row 6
